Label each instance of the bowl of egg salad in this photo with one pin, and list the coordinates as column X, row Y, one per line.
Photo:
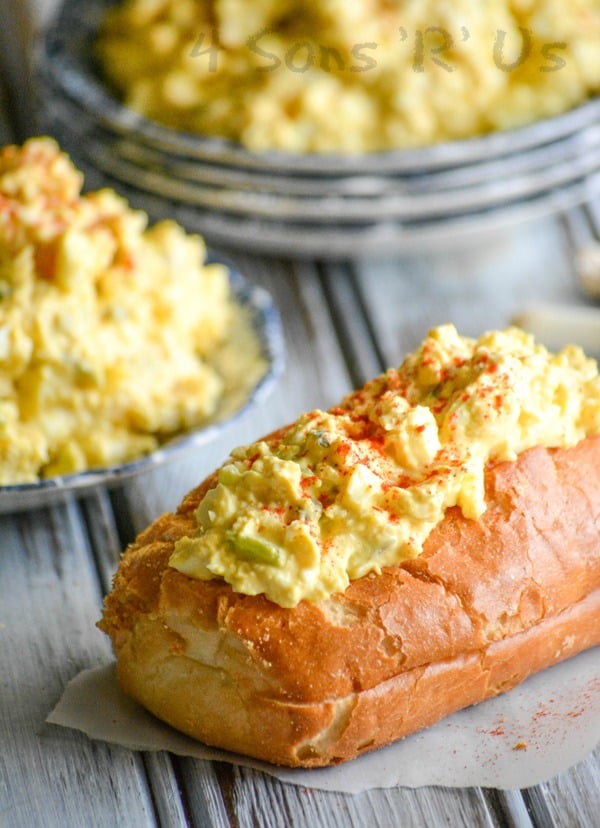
column 122, row 344
column 330, row 127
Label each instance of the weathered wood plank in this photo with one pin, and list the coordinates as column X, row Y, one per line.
column 255, row 795
column 510, row 807
column 479, row 288
column 165, row 790
column 163, row 771
column 49, row 602
column 106, row 546
column 571, row 799
column 204, row 794
column 354, row 327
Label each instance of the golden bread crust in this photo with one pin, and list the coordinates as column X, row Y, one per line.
column 488, row 603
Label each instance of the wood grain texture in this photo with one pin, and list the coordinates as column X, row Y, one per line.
column 572, row 797
column 50, row 600
column 290, row 805
column 477, row 288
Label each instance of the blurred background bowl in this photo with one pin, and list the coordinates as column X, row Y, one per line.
column 311, row 204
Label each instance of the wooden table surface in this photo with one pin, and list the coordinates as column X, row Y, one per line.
column 344, row 322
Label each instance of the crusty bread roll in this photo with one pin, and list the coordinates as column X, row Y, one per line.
column 488, row 602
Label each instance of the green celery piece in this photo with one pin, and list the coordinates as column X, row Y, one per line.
column 229, row 475
column 254, row 549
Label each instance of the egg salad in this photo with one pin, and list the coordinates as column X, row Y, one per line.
column 350, row 77
column 345, row 492
column 105, row 323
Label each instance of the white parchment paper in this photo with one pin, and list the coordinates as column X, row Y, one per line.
column 519, row 739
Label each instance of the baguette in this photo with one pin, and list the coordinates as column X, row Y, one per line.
column 488, row 603
column 488, row 600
